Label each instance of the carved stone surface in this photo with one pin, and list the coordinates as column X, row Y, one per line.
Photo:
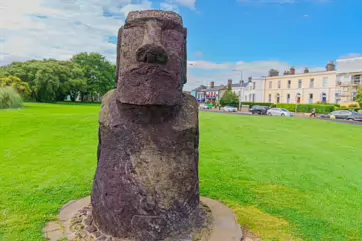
column 151, row 59
column 146, row 185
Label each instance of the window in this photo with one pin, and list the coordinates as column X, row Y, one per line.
column 278, row 98
column 288, row 98
column 325, row 82
column 270, row 84
column 279, row 84
column 310, row 98
column 357, row 79
column 246, row 98
column 289, row 84
column 269, row 100
column 311, row 85
column 253, row 85
column 253, row 97
column 300, row 84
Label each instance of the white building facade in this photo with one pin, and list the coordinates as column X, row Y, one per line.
column 252, row 91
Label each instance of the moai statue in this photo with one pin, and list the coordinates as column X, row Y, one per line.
column 146, row 185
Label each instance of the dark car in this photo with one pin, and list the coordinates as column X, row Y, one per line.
column 260, row 110
column 344, row 115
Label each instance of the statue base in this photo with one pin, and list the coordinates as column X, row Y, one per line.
column 215, row 222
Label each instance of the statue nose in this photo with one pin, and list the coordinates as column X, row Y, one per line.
column 151, row 50
column 152, row 53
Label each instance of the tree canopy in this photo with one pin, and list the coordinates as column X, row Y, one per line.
column 88, row 76
column 229, row 98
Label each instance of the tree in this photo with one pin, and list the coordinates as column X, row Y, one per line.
column 99, row 73
column 359, row 97
column 229, row 98
column 46, row 85
column 74, row 87
column 21, row 87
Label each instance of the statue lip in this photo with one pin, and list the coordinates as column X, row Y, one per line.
column 148, row 69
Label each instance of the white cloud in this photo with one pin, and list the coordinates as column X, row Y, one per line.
column 169, row 7
column 186, row 3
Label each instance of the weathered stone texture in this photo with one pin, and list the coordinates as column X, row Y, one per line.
column 146, row 185
column 147, row 176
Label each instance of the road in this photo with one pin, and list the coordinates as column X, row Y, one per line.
column 355, row 123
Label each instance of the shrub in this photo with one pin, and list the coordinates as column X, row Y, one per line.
column 251, row 104
column 10, row 98
column 307, row 108
column 352, row 105
column 22, row 87
column 229, row 98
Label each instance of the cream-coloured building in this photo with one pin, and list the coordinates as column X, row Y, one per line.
column 303, row 88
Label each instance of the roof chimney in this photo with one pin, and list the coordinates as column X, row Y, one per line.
column 241, row 82
column 331, row 66
column 230, row 82
column 250, row 79
column 286, row 73
column 306, row 70
column 212, row 84
column 292, row 71
column 273, row 72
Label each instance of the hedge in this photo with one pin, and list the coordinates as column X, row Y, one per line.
column 308, row 108
column 251, row 104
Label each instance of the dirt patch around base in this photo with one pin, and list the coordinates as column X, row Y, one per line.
column 214, row 222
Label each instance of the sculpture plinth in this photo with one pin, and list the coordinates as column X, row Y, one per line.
column 146, row 185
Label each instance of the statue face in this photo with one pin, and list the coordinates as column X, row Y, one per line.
column 151, row 59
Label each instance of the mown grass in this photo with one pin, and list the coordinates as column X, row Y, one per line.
column 286, row 179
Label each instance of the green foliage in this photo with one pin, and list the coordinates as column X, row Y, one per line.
column 307, row 108
column 22, row 87
column 359, row 97
column 99, row 73
column 48, row 79
column 229, row 98
column 251, row 104
column 353, row 105
column 10, row 98
column 75, row 87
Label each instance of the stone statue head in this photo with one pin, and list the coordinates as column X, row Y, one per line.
column 151, row 59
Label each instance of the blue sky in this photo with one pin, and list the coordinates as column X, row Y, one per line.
column 248, row 35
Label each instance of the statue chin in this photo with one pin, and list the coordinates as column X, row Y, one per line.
column 157, row 87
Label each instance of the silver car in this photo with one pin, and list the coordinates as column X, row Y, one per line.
column 279, row 112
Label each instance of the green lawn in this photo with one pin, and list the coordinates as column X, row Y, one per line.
column 287, row 179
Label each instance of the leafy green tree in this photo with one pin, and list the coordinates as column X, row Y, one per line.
column 22, row 87
column 46, row 85
column 99, row 73
column 229, row 98
column 74, row 87
column 359, row 97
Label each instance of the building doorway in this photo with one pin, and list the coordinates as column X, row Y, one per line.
column 324, row 97
column 298, row 98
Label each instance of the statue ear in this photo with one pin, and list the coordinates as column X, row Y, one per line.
column 184, row 77
column 119, row 43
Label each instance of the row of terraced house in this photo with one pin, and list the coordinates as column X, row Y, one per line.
column 329, row 86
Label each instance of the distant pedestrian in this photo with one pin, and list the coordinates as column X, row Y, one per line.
column 313, row 113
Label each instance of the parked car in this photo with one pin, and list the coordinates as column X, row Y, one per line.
column 203, row 106
column 260, row 110
column 343, row 115
column 230, row 109
column 279, row 112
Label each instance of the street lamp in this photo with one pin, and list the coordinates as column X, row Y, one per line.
column 241, row 78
